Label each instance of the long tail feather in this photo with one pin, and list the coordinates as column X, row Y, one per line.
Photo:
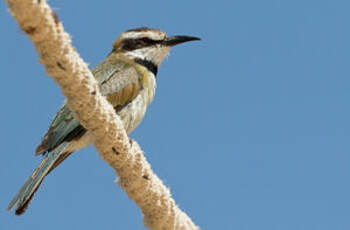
column 26, row 193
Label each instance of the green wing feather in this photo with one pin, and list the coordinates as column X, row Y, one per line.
column 119, row 82
column 62, row 124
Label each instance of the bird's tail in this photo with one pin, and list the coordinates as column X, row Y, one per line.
column 50, row 161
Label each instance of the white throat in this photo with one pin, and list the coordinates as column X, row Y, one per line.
column 155, row 54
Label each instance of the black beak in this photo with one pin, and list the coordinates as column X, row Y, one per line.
column 175, row 40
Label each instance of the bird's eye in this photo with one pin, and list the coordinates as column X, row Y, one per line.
column 146, row 41
column 142, row 41
column 132, row 44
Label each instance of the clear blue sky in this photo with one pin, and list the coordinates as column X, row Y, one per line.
column 250, row 127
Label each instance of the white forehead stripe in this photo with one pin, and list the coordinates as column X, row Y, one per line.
column 154, row 35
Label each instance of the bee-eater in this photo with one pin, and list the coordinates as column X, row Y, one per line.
column 127, row 78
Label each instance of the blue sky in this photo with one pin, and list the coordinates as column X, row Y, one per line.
column 249, row 127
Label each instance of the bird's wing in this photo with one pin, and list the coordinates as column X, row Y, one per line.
column 118, row 80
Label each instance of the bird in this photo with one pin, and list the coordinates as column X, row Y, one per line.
column 127, row 79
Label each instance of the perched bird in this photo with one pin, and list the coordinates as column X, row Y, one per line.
column 127, row 78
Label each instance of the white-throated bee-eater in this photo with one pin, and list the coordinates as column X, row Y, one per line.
column 127, row 78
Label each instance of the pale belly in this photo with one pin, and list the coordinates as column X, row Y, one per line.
column 131, row 115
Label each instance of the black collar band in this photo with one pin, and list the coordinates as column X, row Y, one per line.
column 148, row 64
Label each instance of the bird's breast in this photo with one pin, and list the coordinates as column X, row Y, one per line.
column 132, row 114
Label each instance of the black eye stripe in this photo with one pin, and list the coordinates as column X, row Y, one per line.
column 148, row 41
column 132, row 43
column 129, row 44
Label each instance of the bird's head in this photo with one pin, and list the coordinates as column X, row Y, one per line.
column 145, row 44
